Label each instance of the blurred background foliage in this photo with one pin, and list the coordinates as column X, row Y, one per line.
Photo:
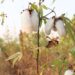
column 55, row 58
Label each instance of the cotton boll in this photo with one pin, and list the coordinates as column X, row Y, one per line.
column 53, row 39
column 26, row 22
column 54, row 34
column 69, row 72
column 49, row 25
column 60, row 27
column 35, row 20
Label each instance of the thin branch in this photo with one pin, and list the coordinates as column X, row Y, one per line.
column 52, row 11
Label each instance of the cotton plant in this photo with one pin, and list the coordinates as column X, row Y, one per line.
column 32, row 20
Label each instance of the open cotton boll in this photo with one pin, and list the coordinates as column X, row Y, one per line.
column 60, row 27
column 69, row 72
column 54, row 35
column 49, row 25
column 26, row 22
column 35, row 20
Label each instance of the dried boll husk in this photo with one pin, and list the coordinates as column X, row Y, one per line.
column 26, row 22
column 35, row 20
column 49, row 25
column 59, row 25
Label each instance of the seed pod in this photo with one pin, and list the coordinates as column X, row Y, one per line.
column 26, row 22
column 49, row 25
column 59, row 24
column 35, row 20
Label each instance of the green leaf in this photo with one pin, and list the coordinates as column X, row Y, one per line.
column 44, row 7
column 41, row 11
column 57, row 62
column 34, row 6
column 44, row 20
column 69, row 28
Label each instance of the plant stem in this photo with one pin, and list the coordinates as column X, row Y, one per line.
column 38, row 41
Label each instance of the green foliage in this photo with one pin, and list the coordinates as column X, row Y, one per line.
column 40, row 9
column 58, row 52
column 69, row 28
column 73, row 22
column 72, row 51
column 34, row 6
column 58, row 63
column 43, row 42
column 74, row 74
column 73, row 19
column 1, row 43
column 44, row 6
